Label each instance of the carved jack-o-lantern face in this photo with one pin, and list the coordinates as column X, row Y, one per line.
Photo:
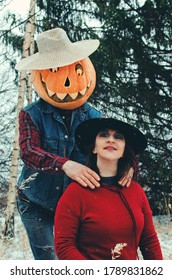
column 66, row 87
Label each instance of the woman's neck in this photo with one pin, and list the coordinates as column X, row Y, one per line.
column 106, row 168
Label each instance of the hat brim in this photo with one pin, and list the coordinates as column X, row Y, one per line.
column 86, row 132
column 66, row 56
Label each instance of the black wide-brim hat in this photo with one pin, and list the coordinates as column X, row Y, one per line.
column 87, row 131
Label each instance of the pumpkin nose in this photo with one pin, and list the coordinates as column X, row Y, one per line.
column 67, row 83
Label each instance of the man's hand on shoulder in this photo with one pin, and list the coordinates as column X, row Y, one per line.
column 125, row 181
column 81, row 174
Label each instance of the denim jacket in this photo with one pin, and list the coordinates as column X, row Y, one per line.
column 42, row 188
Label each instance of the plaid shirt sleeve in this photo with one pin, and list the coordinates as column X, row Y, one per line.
column 30, row 151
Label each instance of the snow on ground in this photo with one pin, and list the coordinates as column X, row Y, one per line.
column 18, row 248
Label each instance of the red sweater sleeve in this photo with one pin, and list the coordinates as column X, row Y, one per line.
column 30, row 149
column 149, row 243
column 66, row 224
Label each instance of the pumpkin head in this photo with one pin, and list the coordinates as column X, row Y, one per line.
column 67, row 87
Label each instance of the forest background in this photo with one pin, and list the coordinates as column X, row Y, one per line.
column 134, row 77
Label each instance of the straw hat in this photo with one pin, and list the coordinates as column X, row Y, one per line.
column 56, row 50
column 86, row 132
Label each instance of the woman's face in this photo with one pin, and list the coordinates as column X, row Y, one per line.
column 109, row 145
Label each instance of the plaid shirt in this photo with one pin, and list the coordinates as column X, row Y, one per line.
column 30, row 148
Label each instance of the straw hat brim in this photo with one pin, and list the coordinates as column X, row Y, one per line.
column 86, row 132
column 66, row 56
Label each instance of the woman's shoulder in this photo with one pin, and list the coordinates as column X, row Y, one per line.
column 138, row 190
column 136, row 186
column 75, row 187
column 74, row 192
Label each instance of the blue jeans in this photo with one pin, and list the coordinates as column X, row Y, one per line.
column 38, row 223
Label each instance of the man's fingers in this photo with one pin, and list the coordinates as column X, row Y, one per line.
column 87, row 178
column 89, row 183
column 91, row 179
column 93, row 174
column 125, row 182
column 81, row 174
column 128, row 183
column 81, row 181
column 84, row 182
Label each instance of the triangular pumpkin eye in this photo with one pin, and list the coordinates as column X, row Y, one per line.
column 79, row 69
column 54, row 70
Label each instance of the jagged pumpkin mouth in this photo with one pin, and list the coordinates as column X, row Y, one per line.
column 66, row 97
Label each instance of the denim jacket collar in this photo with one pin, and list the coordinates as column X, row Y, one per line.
column 49, row 109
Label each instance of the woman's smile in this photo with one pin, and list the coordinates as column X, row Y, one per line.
column 110, row 148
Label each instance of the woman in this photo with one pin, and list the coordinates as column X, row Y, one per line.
column 110, row 222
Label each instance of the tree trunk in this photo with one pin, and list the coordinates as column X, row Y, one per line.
column 29, row 45
column 28, row 48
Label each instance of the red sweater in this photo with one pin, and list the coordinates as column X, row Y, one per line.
column 90, row 223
